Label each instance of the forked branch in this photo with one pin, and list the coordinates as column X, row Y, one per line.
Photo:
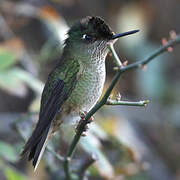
column 105, row 99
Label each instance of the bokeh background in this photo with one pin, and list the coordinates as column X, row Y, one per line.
column 130, row 143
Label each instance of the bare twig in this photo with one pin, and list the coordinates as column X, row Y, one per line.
column 104, row 99
column 149, row 58
column 116, row 58
column 126, row 103
column 79, row 130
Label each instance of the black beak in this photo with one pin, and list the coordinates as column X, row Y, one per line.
column 124, row 34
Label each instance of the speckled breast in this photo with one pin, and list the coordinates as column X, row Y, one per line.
column 88, row 88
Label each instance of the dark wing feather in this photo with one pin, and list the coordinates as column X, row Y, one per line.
column 50, row 107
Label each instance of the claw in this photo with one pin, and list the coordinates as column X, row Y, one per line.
column 84, row 134
column 83, row 123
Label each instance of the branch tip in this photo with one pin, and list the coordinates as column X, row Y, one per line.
column 146, row 102
column 172, row 35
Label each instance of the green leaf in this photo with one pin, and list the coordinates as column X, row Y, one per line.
column 12, row 174
column 7, row 152
column 7, row 59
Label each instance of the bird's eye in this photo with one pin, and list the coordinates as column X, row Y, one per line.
column 87, row 37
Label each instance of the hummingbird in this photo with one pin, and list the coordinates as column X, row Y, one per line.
column 76, row 82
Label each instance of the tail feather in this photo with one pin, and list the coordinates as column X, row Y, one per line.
column 36, row 148
column 40, row 148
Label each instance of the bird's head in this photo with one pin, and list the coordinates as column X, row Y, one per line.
column 88, row 39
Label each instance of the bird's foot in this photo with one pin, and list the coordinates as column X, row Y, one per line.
column 83, row 114
column 83, row 123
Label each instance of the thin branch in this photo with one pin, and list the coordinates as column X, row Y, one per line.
column 149, row 58
column 126, row 103
column 80, row 129
column 116, row 58
column 104, row 99
column 66, row 168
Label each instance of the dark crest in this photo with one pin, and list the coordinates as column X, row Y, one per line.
column 94, row 26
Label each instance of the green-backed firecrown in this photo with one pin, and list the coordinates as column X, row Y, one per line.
column 75, row 84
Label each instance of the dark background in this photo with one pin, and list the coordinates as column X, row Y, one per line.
column 130, row 142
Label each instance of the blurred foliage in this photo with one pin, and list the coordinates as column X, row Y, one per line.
column 11, row 174
column 130, row 143
column 7, row 59
column 7, row 152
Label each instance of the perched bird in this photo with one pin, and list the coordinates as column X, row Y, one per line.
column 75, row 84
